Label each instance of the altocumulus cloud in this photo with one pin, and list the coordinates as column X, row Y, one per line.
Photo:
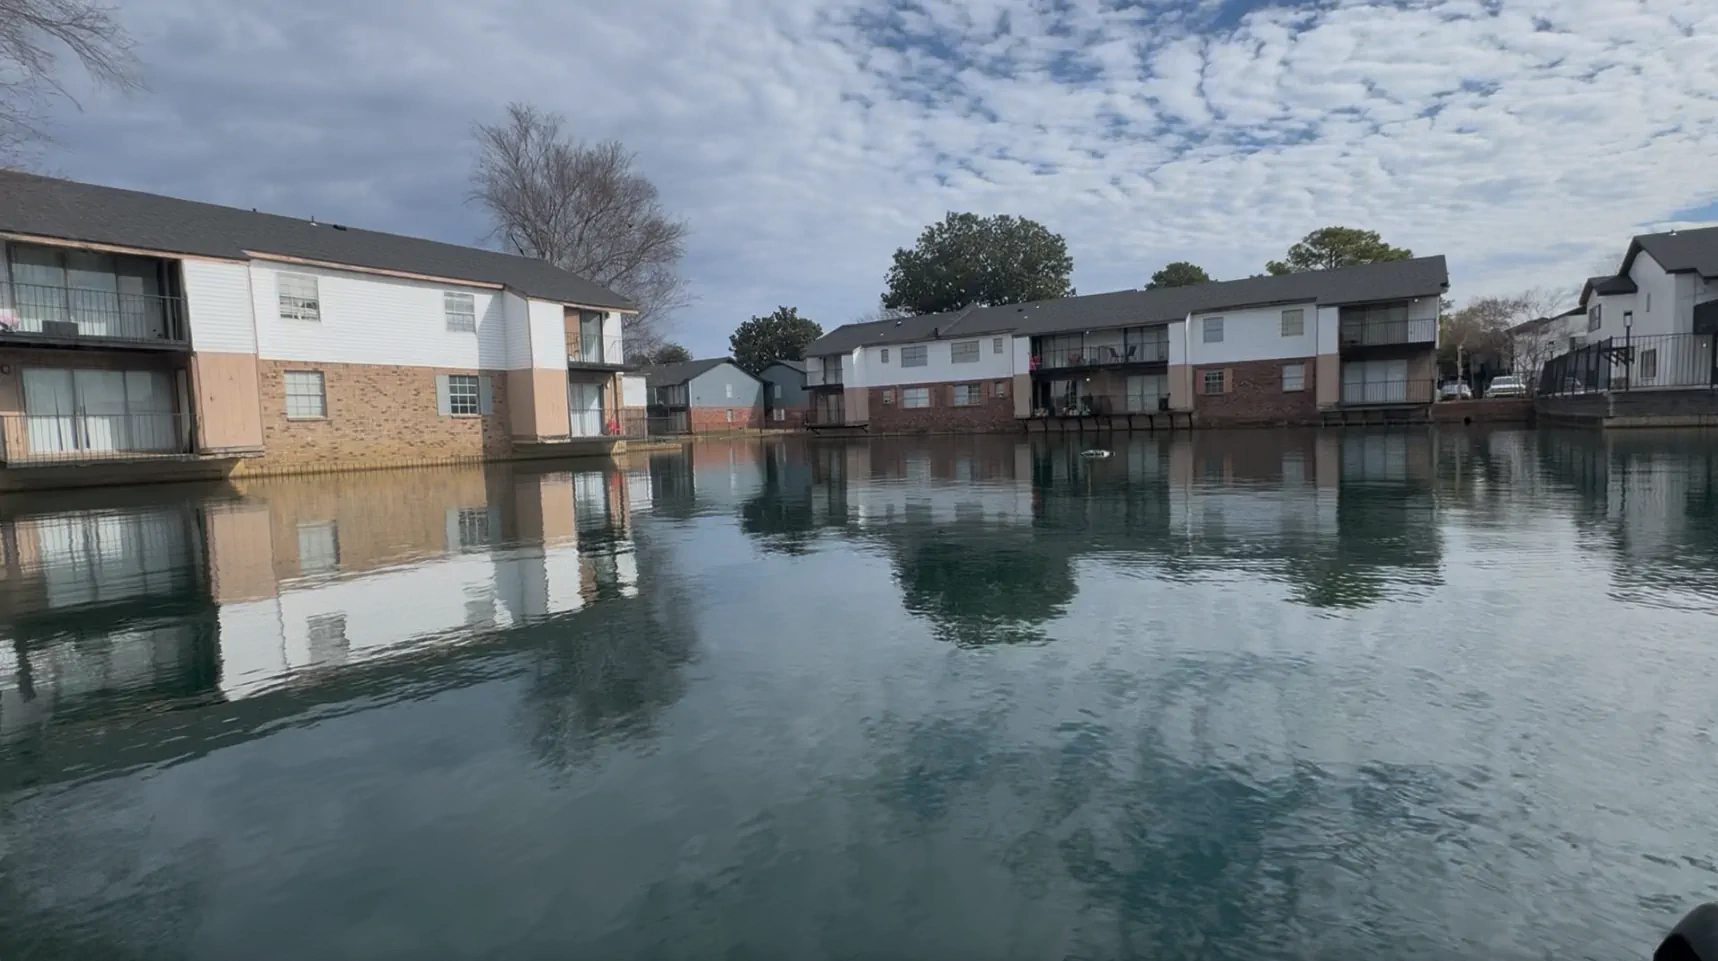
column 806, row 139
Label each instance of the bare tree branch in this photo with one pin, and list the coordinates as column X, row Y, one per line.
column 584, row 208
column 34, row 35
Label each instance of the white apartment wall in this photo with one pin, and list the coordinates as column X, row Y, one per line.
column 1178, row 342
column 1611, row 309
column 219, row 304
column 1329, row 336
column 1655, row 303
column 634, row 391
column 548, row 326
column 1254, row 334
column 516, row 322
column 371, row 319
column 938, row 368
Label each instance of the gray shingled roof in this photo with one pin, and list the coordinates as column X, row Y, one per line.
column 667, row 375
column 67, row 210
column 1620, row 284
column 1680, row 250
column 1395, row 280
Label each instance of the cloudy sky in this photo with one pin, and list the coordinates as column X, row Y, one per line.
column 804, row 140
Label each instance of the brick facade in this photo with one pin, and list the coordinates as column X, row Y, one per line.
column 991, row 413
column 717, row 420
column 376, row 416
column 792, row 418
column 1253, row 395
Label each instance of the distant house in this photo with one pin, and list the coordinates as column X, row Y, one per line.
column 703, row 397
column 1536, row 341
column 785, row 398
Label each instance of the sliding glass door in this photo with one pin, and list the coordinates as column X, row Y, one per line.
column 99, row 411
column 584, row 401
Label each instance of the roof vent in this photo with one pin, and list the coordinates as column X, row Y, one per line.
column 338, row 226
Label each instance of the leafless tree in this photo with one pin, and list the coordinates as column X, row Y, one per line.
column 34, row 36
column 583, row 207
column 880, row 313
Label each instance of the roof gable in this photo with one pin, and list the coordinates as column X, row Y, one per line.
column 667, row 375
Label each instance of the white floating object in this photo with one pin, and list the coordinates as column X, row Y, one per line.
column 1094, row 453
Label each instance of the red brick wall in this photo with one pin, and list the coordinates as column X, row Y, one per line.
column 715, row 420
column 793, row 418
column 1253, row 395
column 992, row 413
column 376, row 416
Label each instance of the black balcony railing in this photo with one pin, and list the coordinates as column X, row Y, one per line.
column 1379, row 392
column 1382, row 333
column 671, row 423
column 816, row 376
column 1088, row 405
column 27, row 439
column 1106, row 355
column 1651, row 362
column 74, row 312
column 829, row 418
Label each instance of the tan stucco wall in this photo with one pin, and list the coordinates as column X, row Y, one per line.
column 1180, row 387
column 537, row 403
column 545, row 504
column 224, row 390
column 1327, row 380
column 858, row 405
column 1023, row 395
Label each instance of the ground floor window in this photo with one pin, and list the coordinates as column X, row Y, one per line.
column 1002, row 388
column 462, row 394
column 778, row 415
column 916, row 397
column 1145, row 392
column 1294, row 377
column 1214, row 382
column 968, row 395
column 101, row 411
column 305, row 394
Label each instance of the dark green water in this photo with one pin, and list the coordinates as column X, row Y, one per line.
column 1241, row 696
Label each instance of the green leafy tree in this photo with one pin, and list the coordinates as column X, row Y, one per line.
column 1179, row 274
column 1330, row 247
column 783, row 335
column 967, row 259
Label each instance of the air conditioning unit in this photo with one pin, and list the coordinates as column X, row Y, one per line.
column 60, row 328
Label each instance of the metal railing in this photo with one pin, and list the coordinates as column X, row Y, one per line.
column 48, row 311
column 828, row 418
column 818, row 376
column 1087, row 405
column 1378, row 392
column 1061, row 358
column 678, row 422
column 1381, row 333
column 629, row 424
column 27, row 439
column 1650, row 362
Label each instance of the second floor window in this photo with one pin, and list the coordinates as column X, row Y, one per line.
column 965, row 352
column 1593, row 318
column 1294, row 322
column 590, row 337
column 1213, row 330
column 915, row 356
column 298, row 297
column 461, row 311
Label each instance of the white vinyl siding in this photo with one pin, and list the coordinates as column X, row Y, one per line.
column 1294, row 377
column 1294, row 322
column 298, row 297
column 305, row 397
column 1213, row 330
column 219, row 305
column 917, row 356
column 463, row 395
column 461, row 311
column 963, row 352
column 915, row 396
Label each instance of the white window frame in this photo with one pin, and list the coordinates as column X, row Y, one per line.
column 778, row 415
column 917, row 356
column 460, row 311
column 1211, row 330
column 775, row 392
column 464, row 390
column 996, row 345
column 963, row 352
column 1002, row 388
column 728, row 391
column 888, row 397
column 915, row 398
column 1595, row 317
column 301, row 379
column 974, row 394
column 1297, row 382
column 1205, row 382
column 299, row 297
column 320, row 554
column 1298, row 327
column 885, row 352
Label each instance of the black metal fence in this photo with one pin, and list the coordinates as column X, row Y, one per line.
column 1650, row 362
column 77, row 312
column 80, row 437
column 1138, row 352
column 1383, row 391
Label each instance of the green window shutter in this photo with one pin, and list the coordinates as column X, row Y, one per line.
column 443, row 405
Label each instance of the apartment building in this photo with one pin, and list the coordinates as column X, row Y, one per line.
column 146, row 336
column 1653, row 323
column 709, row 396
column 786, row 400
column 1298, row 349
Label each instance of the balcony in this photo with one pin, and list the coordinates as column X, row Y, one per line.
column 1108, row 355
column 1395, row 331
column 816, row 376
column 77, row 316
column 31, row 440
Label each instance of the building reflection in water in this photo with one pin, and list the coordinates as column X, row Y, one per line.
column 225, row 593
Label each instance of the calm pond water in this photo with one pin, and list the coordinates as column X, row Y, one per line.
column 1274, row 695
